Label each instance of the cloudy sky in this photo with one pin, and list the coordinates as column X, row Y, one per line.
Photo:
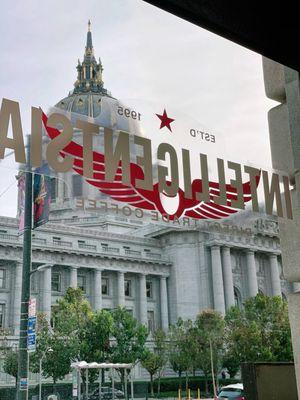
column 147, row 54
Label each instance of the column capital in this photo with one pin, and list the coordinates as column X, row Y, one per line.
column 164, row 276
column 215, row 247
column 249, row 251
column 97, row 271
column 226, row 247
column 272, row 255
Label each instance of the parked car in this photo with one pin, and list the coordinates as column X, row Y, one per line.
column 232, row 392
column 106, row 394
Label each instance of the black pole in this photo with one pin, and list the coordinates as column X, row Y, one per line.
column 22, row 393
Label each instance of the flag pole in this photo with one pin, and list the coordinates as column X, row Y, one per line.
column 23, row 362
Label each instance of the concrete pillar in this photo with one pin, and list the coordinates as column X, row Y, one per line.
column 294, row 312
column 143, row 299
column 97, row 289
column 251, row 272
column 73, row 277
column 164, row 313
column 17, row 297
column 275, row 277
column 227, row 277
column 47, row 292
column 121, row 292
column 217, row 279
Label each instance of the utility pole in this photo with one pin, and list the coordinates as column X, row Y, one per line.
column 23, row 362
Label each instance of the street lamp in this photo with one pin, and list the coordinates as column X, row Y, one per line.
column 40, row 268
column 48, row 350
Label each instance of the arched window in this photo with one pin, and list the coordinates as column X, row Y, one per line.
column 237, row 298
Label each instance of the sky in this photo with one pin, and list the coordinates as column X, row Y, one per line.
column 147, row 54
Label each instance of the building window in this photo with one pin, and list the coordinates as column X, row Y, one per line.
column 151, row 323
column 66, row 192
column 105, row 286
column 77, row 185
column 81, row 282
column 149, row 289
column 2, row 312
column 56, row 282
column 127, row 288
column 2, row 278
column 53, row 189
column 237, row 298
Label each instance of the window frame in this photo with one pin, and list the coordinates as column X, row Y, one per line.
column 3, row 278
column 59, row 282
column 128, row 281
column 104, row 278
column 2, row 314
column 84, row 281
column 150, row 290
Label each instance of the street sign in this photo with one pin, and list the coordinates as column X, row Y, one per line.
column 31, row 325
column 23, row 383
column 31, row 342
column 32, row 308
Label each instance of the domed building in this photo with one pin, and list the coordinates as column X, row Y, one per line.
column 159, row 272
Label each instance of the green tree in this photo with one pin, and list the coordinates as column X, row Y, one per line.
column 64, row 349
column 209, row 336
column 182, row 348
column 260, row 331
column 128, row 339
column 66, row 339
column 154, row 361
column 10, row 365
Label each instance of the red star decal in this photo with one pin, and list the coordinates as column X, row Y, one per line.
column 165, row 120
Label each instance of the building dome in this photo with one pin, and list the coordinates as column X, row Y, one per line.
column 90, row 101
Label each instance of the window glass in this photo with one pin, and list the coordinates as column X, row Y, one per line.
column 149, row 289
column 56, row 282
column 77, row 185
column 105, row 286
column 151, row 322
column 127, row 287
column 81, row 282
column 53, row 189
column 2, row 311
column 2, row 278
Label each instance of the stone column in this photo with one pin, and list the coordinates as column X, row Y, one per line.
column 227, row 277
column 164, row 303
column 275, row 277
column 121, row 292
column 73, row 277
column 251, row 272
column 143, row 300
column 17, row 298
column 97, row 289
column 294, row 312
column 217, row 279
column 47, row 292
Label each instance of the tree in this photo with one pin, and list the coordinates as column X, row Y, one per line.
column 260, row 331
column 209, row 336
column 70, row 320
column 154, row 361
column 64, row 349
column 128, row 339
column 10, row 365
column 182, row 348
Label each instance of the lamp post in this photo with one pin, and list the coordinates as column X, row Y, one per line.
column 48, row 350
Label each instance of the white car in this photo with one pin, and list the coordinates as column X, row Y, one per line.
column 232, row 392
